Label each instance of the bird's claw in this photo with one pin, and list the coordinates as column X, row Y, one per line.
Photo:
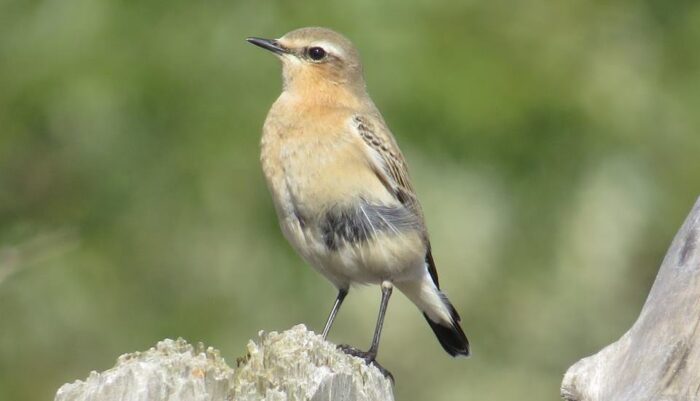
column 370, row 358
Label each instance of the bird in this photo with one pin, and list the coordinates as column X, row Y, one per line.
column 341, row 188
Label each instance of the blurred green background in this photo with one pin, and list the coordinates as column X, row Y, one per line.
column 554, row 146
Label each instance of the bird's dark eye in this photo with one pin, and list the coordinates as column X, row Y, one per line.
column 317, row 53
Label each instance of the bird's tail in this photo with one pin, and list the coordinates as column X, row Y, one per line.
column 440, row 314
column 451, row 335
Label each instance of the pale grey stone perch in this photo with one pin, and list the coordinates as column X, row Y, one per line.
column 293, row 365
column 659, row 357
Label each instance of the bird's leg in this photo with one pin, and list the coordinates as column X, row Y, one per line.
column 387, row 287
column 370, row 356
column 338, row 301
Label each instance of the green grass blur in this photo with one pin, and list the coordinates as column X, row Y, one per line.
column 554, row 146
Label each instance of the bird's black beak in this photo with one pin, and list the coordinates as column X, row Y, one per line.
column 269, row 44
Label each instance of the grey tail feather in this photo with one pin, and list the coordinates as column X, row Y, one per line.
column 452, row 338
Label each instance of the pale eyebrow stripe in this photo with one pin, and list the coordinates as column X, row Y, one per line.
column 328, row 47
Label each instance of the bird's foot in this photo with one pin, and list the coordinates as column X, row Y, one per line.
column 370, row 358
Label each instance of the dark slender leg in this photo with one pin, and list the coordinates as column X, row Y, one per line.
column 386, row 294
column 338, row 301
column 371, row 355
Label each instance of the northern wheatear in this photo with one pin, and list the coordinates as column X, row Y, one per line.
column 341, row 187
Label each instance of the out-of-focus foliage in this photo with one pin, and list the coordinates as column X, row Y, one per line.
column 555, row 147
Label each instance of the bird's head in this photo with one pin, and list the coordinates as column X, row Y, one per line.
column 315, row 59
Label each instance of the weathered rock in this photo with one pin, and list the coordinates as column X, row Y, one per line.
column 293, row 365
column 659, row 357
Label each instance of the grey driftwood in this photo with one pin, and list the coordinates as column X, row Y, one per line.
column 293, row 365
column 659, row 357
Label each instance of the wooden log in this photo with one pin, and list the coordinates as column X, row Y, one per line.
column 659, row 357
column 293, row 365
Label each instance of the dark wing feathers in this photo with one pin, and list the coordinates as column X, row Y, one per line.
column 431, row 267
column 393, row 173
column 391, row 170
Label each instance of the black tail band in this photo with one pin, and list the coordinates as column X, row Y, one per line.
column 452, row 339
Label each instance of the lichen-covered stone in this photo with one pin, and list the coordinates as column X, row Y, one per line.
column 300, row 365
column 172, row 370
column 289, row 366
